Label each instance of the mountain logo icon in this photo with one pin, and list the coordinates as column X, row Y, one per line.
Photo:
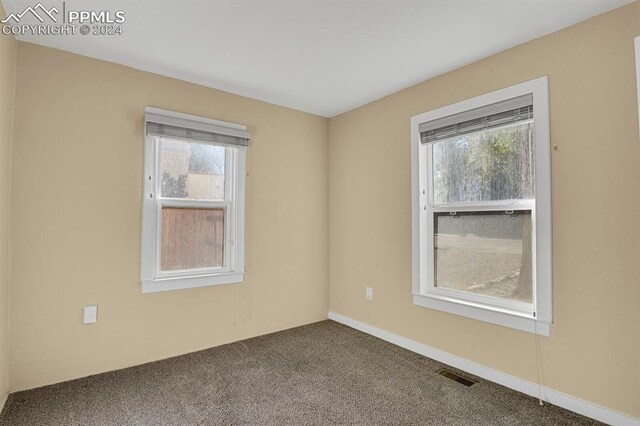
column 39, row 11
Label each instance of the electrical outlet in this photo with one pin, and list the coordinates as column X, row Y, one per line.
column 90, row 314
column 369, row 293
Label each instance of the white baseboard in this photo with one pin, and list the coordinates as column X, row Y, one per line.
column 551, row 396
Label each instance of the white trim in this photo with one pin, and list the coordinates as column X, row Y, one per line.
column 240, row 183
column 179, row 283
column 542, row 220
column 551, row 396
column 493, row 315
column 423, row 210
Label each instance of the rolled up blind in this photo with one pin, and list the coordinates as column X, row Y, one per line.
column 505, row 113
column 182, row 126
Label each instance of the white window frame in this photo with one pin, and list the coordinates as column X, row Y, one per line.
column 153, row 279
column 536, row 318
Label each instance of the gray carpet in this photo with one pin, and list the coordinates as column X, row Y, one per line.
column 320, row 374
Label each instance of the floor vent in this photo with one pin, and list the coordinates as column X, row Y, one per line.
column 456, row 377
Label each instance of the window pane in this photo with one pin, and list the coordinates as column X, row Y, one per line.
column 191, row 170
column 486, row 253
column 496, row 164
column 192, row 238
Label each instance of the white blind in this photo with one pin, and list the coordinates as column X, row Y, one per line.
column 183, row 126
column 511, row 111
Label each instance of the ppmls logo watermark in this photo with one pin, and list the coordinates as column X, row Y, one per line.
column 40, row 20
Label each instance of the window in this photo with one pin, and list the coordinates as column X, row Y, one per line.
column 193, row 202
column 482, row 208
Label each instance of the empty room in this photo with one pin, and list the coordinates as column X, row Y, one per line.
column 319, row 212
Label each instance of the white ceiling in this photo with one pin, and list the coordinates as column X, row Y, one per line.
column 319, row 56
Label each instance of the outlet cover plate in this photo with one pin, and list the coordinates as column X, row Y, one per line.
column 90, row 314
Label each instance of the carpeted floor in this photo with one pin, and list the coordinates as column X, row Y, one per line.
column 321, row 374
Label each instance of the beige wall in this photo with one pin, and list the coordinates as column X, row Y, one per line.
column 7, row 90
column 594, row 350
column 77, row 182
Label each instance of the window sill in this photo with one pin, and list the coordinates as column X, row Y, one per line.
column 498, row 316
column 180, row 283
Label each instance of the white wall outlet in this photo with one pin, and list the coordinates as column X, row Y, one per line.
column 369, row 293
column 90, row 314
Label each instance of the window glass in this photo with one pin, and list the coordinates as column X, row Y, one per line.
column 192, row 238
column 495, row 164
column 192, row 170
column 486, row 253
